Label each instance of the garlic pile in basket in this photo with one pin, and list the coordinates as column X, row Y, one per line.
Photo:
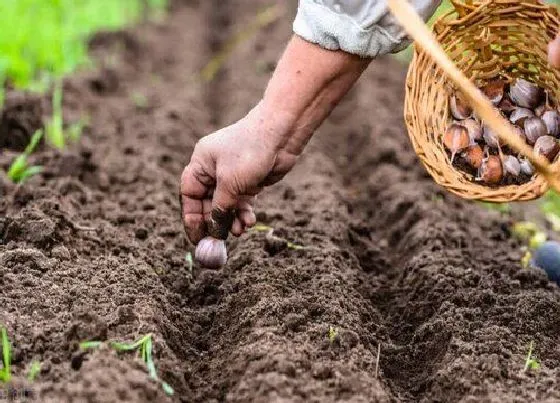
column 474, row 148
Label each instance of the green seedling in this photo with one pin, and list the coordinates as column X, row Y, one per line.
column 531, row 362
column 20, row 170
column 55, row 132
column 143, row 346
column 189, row 260
column 333, row 334
column 140, row 100
column 34, row 371
column 6, row 371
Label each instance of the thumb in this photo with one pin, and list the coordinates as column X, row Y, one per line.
column 224, row 202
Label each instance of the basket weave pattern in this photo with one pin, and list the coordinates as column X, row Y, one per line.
column 484, row 39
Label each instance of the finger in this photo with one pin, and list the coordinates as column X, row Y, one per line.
column 554, row 52
column 195, row 184
column 247, row 218
column 236, row 227
column 193, row 219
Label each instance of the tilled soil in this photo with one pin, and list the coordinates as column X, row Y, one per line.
column 424, row 292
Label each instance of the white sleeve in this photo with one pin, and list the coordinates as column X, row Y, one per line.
column 362, row 27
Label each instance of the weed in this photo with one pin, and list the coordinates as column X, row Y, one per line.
column 190, row 262
column 143, row 346
column 333, row 334
column 531, row 362
column 33, row 371
column 6, row 371
column 20, row 170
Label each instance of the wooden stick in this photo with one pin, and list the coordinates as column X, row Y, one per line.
column 416, row 28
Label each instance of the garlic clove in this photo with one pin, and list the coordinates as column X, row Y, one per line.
column 541, row 109
column 551, row 119
column 534, row 128
column 459, row 107
column 526, row 167
column 473, row 156
column 525, row 94
column 519, row 115
column 211, row 252
column 491, row 138
column 547, row 146
column 494, row 90
column 473, row 128
column 511, row 165
column 506, row 105
column 490, row 170
column 456, row 138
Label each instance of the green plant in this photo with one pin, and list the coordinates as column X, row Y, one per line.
column 6, row 371
column 140, row 100
column 333, row 334
column 20, row 170
column 33, row 371
column 42, row 40
column 531, row 362
column 143, row 346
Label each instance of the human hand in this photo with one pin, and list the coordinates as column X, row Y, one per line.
column 227, row 170
column 554, row 52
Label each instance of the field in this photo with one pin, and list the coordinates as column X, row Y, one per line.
column 398, row 290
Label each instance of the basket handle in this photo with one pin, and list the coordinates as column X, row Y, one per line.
column 414, row 25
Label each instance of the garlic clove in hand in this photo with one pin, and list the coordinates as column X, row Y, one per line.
column 211, row 252
column 534, row 128
column 525, row 93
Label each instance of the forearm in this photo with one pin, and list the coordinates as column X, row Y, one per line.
column 306, row 86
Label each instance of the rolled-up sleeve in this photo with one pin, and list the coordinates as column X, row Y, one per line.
column 362, row 27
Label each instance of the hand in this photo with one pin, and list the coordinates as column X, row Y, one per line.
column 554, row 52
column 229, row 167
column 227, row 170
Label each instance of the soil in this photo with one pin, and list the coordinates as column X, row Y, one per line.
column 422, row 294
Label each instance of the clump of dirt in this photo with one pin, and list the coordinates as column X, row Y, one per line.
column 397, row 291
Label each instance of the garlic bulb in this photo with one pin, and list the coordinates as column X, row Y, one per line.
column 491, row 138
column 547, row 146
column 460, row 109
column 552, row 121
column 511, row 165
column 211, row 252
column 541, row 109
column 519, row 115
column 490, row 170
column 525, row 93
column 534, row 128
column 473, row 128
column 494, row 90
column 526, row 167
column 456, row 138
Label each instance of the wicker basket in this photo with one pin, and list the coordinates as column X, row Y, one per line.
column 484, row 39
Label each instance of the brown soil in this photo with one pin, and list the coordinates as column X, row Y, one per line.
column 426, row 290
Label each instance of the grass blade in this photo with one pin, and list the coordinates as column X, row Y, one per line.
column 6, row 373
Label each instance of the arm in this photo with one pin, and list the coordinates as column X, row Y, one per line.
column 223, row 175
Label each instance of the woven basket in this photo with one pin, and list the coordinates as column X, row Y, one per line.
column 484, row 39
